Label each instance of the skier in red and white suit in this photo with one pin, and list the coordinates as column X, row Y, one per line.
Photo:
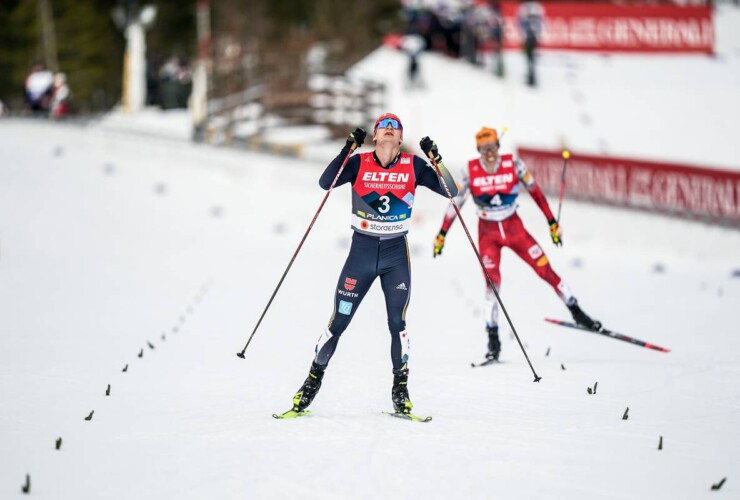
column 493, row 181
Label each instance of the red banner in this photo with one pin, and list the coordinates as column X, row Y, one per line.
column 678, row 189
column 617, row 28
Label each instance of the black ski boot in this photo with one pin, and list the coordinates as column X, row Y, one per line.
column 583, row 319
column 494, row 344
column 309, row 389
column 400, row 391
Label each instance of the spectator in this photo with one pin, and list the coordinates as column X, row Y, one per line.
column 413, row 45
column 531, row 18
column 497, row 37
column 60, row 97
column 469, row 36
column 38, row 89
column 175, row 84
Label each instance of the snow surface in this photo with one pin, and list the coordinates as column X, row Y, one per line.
column 109, row 241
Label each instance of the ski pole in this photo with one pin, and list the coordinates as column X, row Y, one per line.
column 316, row 215
column 566, row 155
column 537, row 378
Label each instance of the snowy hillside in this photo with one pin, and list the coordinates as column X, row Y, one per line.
column 158, row 256
column 662, row 108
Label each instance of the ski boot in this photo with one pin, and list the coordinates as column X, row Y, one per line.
column 400, row 392
column 494, row 344
column 583, row 319
column 309, row 389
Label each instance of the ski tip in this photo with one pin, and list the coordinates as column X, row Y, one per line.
column 555, row 321
column 657, row 348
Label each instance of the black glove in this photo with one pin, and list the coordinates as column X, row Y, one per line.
column 356, row 137
column 429, row 146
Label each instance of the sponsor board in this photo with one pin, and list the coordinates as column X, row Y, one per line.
column 710, row 194
column 611, row 27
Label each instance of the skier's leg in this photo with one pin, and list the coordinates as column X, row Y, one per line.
column 395, row 277
column 490, row 240
column 357, row 275
column 527, row 248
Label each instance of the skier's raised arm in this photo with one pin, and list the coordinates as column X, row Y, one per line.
column 526, row 178
column 427, row 175
column 349, row 174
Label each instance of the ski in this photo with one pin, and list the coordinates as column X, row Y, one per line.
column 609, row 333
column 291, row 414
column 407, row 416
column 484, row 363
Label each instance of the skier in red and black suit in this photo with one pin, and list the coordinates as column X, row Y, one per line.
column 493, row 181
column 383, row 188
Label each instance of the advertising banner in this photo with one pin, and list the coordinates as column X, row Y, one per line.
column 705, row 193
column 616, row 28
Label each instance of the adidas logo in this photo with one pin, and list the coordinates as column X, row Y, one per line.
column 402, row 286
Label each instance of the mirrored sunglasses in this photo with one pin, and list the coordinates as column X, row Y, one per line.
column 395, row 124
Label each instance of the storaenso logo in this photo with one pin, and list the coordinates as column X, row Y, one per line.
column 490, row 180
column 385, row 177
column 386, row 228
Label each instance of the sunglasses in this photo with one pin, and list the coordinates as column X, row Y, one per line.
column 489, row 148
column 395, row 124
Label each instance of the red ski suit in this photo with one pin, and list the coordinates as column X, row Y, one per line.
column 495, row 193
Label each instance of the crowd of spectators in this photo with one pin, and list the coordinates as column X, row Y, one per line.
column 46, row 94
column 469, row 30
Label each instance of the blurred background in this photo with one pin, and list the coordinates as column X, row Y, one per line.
column 244, row 41
column 289, row 77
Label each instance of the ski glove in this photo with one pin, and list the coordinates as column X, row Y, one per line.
column 429, row 146
column 356, row 137
column 555, row 233
column 439, row 242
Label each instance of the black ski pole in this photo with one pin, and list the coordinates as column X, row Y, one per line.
column 316, row 215
column 537, row 378
column 566, row 155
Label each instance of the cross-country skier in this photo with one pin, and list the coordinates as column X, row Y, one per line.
column 383, row 187
column 493, row 181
